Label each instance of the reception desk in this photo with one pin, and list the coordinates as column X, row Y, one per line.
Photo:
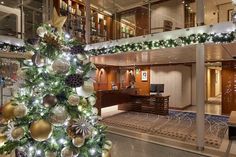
column 128, row 100
column 106, row 98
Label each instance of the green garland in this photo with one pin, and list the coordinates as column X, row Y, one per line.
column 169, row 43
column 152, row 45
column 11, row 48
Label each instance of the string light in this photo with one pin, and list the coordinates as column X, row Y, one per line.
column 157, row 44
column 62, row 141
column 31, row 148
column 92, row 151
column 38, row 152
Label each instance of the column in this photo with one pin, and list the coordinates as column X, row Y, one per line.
column 200, row 94
column 87, row 25
column 200, row 12
column 22, row 19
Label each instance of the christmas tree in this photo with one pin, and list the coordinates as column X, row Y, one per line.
column 52, row 113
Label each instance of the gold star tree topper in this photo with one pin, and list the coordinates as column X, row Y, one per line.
column 58, row 21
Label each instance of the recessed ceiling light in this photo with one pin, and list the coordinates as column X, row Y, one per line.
column 2, row 2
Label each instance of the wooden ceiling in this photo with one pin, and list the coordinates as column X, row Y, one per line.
column 179, row 55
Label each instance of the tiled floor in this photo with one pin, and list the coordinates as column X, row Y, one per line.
column 129, row 147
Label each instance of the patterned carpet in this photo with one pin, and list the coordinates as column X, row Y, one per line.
column 177, row 125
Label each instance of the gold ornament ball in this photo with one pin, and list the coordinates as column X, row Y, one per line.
column 41, row 130
column 50, row 154
column 107, row 145
column 106, row 153
column 78, row 142
column 17, row 133
column 8, row 111
column 3, row 139
column 67, row 152
column 20, row 111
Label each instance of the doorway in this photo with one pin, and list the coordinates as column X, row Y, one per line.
column 213, row 89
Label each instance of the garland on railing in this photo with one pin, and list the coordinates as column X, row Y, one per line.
column 148, row 45
column 158, row 44
column 11, row 48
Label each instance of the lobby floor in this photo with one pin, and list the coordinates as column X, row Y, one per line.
column 129, row 147
column 212, row 106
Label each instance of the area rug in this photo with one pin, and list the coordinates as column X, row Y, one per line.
column 177, row 125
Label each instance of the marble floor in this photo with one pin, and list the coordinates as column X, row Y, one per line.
column 212, row 106
column 129, row 147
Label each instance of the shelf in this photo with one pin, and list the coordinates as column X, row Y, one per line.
column 14, row 55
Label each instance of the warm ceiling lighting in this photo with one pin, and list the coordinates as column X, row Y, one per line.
column 2, row 2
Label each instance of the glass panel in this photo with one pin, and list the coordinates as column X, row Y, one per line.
column 8, row 24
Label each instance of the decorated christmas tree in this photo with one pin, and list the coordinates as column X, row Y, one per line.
column 52, row 113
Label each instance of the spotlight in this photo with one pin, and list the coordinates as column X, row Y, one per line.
column 2, row 2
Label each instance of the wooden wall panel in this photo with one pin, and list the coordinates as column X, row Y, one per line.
column 228, row 87
column 143, row 87
column 142, row 24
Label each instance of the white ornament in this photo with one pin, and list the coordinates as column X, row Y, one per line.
column 41, row 31
column 73, row 100
column 86, row 90
column 59, row 116
column 82, row 57
column 61, row 66
column 20, row 111
column 92, row 100
column 66, row 152
column 95, row 111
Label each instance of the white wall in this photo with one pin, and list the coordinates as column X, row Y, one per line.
column 172, row 10
column 177, row 80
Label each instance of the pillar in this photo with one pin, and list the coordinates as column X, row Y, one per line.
column 200, row 94
column 88, row 18
column 200, row 12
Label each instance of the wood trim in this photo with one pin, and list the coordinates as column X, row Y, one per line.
column 13, row 55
